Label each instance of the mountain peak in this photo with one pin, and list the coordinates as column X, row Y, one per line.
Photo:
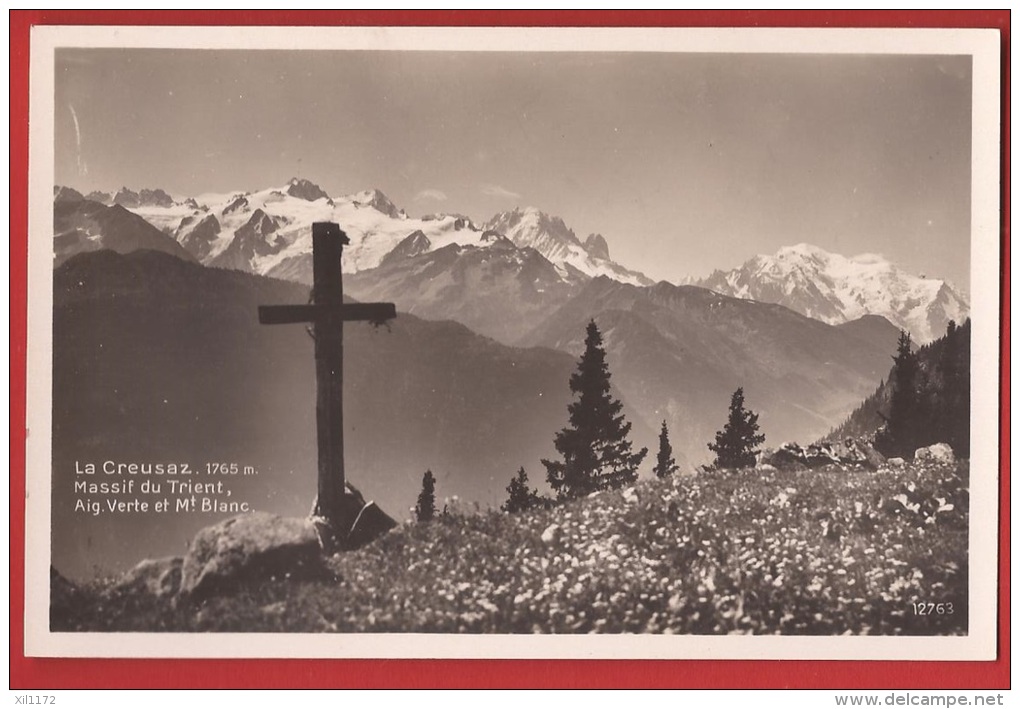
column 378, row 201
column 802, row 249
column 66, row 194
column 126, row 198
column 305, row 189
column 596, row 245
column 155, row 198
column 414, row 244
column 836, row 289
column 551, row 237
column 527, row 225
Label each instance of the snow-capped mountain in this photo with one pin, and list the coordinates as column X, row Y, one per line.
column 529, row 227
column 269, row 231
column 496, row 288
column 835, row 289
column 81, row 225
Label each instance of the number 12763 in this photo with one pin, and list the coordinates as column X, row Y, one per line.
column 922, row 608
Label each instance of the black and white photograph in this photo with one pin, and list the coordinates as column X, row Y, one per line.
column 465, row 342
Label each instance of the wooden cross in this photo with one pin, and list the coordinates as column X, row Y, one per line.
column 327, row 312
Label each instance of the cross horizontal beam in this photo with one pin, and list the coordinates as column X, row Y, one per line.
column 317, row 312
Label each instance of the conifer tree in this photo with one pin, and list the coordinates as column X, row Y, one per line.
column 903, row 421
column 596, row 451
column 953, row 413
column 665, row 465
column 520, row 496
column 736, row 444
column 425, row 510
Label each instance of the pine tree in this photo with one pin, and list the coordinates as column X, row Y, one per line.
column 520, row 496
column 425, row 510
column 953, row 413
column 903, row 421
column 665, row 465
column 736, row 444
column 597, row 454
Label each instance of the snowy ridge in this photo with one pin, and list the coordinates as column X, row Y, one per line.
column 375, row 226
column 529, row 227
column 835, row 289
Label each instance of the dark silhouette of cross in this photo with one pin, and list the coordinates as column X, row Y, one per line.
column 327, row 312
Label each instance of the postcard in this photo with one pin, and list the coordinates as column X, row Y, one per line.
column 513, row 343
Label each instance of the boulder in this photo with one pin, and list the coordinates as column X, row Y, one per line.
column 935, row 453
column 848, row 452
column 788, row 456
column 159, row 577
column 256, row 546
column 896, row 462
column 873, row 458
column 368, row 522
column 818, row 456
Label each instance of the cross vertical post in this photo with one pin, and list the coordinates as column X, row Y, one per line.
column 327, row 312
column 327, row 245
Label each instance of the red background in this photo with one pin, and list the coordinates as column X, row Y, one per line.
column 36, row 673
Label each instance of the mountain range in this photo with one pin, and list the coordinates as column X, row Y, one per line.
column 83, row 225
column 268, row 232
column 835, row 289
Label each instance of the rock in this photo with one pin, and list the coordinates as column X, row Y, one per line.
column 788, row 456
column 896, row 462
column 368, row 522
column 630, row 496
column 874, row 459
column 251, row 547
column 849, row 452
column 818, row 456
column 935, row 453
column 159, row 577
column 550, row 533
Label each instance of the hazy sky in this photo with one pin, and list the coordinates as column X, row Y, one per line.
column 684, row 162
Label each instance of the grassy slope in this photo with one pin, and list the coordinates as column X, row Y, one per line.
column 794, row 552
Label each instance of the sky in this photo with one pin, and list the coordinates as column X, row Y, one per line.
column 684, row 162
